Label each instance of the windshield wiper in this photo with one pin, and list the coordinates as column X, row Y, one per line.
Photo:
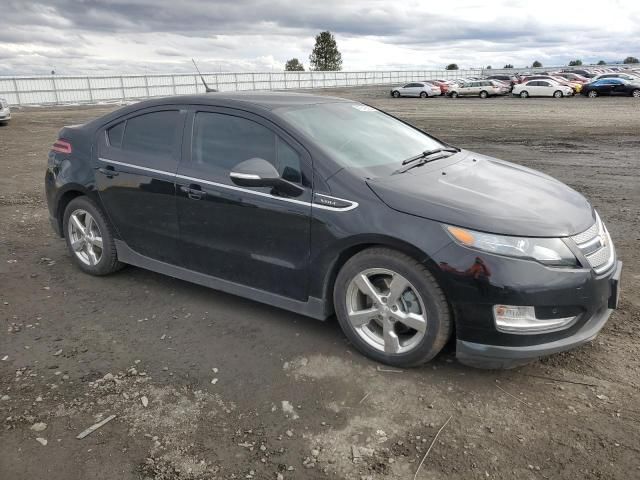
column 424, row 157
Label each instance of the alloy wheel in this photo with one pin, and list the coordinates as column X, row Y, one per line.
column 386, row 310
column 636, row 93
column 593, row 94
column 85, row 237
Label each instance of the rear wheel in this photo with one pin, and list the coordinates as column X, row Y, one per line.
column 89, row 238
column 636, row 93
column 423, row 94
column 524, row 94
column 592, row 94
column 391, row 308
column 483, row 94
column 454, row 94
column 557, row 94
column 396, row 94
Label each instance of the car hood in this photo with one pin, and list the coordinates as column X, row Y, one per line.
column 487, row 194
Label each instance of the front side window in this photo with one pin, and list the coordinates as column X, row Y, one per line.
column 358, row 136
column 221, row 141
column 151, row 133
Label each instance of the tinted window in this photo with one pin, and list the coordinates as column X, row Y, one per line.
column 115, row 135
column 221, row 141
column 544, row 84
column 151, row 133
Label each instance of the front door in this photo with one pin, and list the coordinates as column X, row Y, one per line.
column 256, row 237
column 135, row 165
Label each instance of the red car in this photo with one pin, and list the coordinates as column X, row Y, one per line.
column 444, row 86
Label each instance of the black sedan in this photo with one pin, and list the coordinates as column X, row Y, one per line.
column 611, row 86
column 321, row 205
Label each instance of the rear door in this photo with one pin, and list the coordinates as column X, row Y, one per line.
column 136, row 161
column 256, row 237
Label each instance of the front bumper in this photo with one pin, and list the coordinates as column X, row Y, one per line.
column 475, row 281
column 489, row 356
column 5, row 114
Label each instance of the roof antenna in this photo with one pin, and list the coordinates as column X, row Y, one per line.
column 206, row 87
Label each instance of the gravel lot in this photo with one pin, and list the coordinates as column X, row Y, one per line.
column 236, row 389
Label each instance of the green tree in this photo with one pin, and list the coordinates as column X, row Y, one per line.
column 488, row 67
column 508, row 65
column 325, row 54
column 452, row 66
column 602, row 62
column 631, row 60
column 294, row 65
column 575, row 63
column 536, row 64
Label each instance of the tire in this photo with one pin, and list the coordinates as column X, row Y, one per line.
column 423, row 95
column 395, row 94
column 484, row 94
column 635, row 93
column 557, row 94
column 592, row 94
column 524, row 94
column 102, row 261
column 421, row 300
column 454, row 95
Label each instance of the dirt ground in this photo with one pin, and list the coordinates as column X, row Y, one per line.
column 208, row 385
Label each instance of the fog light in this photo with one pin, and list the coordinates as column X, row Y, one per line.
column 523, row 320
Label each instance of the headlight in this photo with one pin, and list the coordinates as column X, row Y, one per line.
column 549, row 251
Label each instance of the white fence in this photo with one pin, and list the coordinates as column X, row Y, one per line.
column 55, row 89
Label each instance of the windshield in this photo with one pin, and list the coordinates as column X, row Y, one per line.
column 359, row 136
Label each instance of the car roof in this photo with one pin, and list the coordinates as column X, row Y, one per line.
column 249, row 100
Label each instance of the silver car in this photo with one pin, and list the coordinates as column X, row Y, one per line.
column 5, row 112
column 478, row 88
column 416, row 89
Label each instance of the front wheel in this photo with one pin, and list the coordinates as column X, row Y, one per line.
column 557, row 94
column 454, row 94
column 483, row 94
column 423, row 94
column 89, row 238
column 636, row 93
column 524, row 94
column 391, row 308
column 396, row 94
column 592, row 94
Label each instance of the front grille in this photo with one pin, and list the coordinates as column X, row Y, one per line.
column 595, row 243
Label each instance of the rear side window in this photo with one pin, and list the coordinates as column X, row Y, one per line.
column 152, row 133
column 115, row 135
column 222, row 141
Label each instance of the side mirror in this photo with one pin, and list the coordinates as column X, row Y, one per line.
column 257, row 172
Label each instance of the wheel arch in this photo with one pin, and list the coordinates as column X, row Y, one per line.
column 65, row 197
column 356, row 246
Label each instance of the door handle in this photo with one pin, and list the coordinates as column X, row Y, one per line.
column 193, row 191
column 108, row 171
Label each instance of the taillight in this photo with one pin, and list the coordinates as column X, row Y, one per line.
column 61, row 146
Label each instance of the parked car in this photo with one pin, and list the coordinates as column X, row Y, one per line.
column 574, row 77
column 510, row 79
column 416, row 89
column 5, row 112
column 319, row 205
column 624, row 76
column 584, row 73
column 542, row 88
column 575, row 86
column 478, row 88
column 444, row 86
column 612, row 86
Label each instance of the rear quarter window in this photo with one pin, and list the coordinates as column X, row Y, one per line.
column 151, row 133
column 115, row 135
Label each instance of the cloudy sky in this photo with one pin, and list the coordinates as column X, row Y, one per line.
column 132, row 36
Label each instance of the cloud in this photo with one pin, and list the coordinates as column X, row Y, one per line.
column 129, row 36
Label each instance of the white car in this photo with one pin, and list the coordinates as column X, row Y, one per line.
column 542, row 88
column 5, row 112
column 416, row 89
column 478, row 88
